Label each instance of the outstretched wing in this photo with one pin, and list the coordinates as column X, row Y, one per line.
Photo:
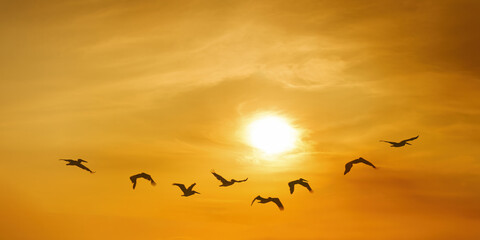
column 388, row 142
column 362, row 160
column 305, row 184
column 279, row 204
column 181, row 186
column 257, row 197
column 291, row 185
column 191, row 187
column 348, row 166
column 147, row 176
column 68, row 160
column 223, row 180
column 85, row 168
column 410, row 139
column 240, row 180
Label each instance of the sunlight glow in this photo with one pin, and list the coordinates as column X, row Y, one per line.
column 272, row 135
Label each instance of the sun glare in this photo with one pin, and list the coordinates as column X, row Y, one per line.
column 272, row 135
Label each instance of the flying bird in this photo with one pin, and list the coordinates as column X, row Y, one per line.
column 186, row 191
column 77, row 163
column 349, row 165
column 402, row 143
column 141, row 175
column 270, row 199
column 225, row 182
column 300, row 181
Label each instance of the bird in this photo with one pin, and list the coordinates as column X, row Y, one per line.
column 77, row 163
column 402, row 143
column 300, row 181
column 349, row 165
column 225, row 182
column 270, row 199
column 186, row 191
column 142, row 175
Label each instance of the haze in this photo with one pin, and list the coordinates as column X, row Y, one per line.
column 169, row 87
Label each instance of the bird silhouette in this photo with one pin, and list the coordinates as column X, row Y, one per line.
column 402, row 143
column 142, row 175
column 77, row 163
column 186, row 191
column 300, row 181
column 266, row 200
column 349, row 165
column 225, row 182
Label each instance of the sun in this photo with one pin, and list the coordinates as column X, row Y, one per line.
column 272, row 135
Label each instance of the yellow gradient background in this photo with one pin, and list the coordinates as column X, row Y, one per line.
column 169, row 87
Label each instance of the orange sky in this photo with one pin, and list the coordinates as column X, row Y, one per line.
column 168, row 87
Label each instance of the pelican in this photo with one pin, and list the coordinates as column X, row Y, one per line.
column 77, row 163
column 141, row 175
column 300, row 181
column 186, row 192
column 349, row 165
column 402, row 143
column 270, row 199
column 225, row 182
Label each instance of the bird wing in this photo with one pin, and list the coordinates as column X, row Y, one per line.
column 366, row 162
column 348, row 166
column 147, row 176
column 242, row 180
column 305, row 184
column 257, row 197
column 181, row 186
column 277, row 201
column 83, row 167
column 291, row 185
column 388, row 142
column 68, row 160
column 410, row 139
column 191, row 187
column 223, row 180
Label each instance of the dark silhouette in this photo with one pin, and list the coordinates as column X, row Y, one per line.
column 402, row 143
column 225, row 182
column 77, row 163
column 349, row 165
column 266, row 200
column 300, row 181
column 141, row 175
column 186, row 192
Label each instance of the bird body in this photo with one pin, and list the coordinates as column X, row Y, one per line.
column 300, row 181
column 142, row 175
column 267, row 200
column 77, row 163
column 401, row 143
column 349, row 165
column 186, row 191
column 225, row 182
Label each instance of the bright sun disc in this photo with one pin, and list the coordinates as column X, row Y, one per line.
column 272, row 135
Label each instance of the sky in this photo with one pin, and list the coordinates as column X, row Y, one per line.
column 170, row 87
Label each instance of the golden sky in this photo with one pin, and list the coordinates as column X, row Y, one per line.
column 169, row 87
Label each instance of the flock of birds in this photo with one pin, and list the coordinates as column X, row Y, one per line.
column 225, row 183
